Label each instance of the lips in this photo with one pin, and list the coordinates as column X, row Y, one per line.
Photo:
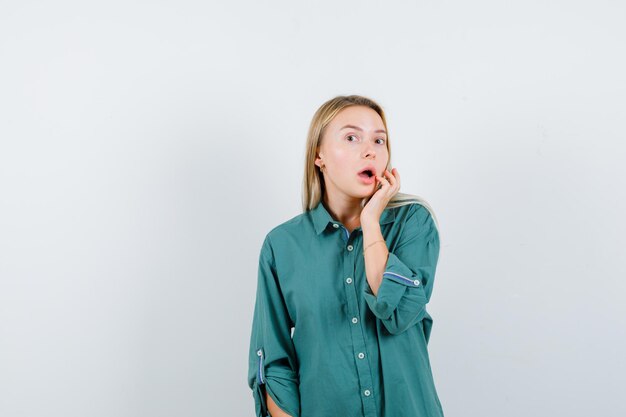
column 367, row 175
column 368, row 171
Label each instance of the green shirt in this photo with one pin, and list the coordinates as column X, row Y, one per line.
column 322, row 344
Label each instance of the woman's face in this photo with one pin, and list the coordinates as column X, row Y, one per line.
column 353, row 140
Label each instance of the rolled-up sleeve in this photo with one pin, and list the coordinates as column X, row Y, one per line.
column 409, row 274
column 272, row 359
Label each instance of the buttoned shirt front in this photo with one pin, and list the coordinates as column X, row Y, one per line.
column 322, row 344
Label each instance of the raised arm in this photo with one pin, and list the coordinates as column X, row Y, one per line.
column 409, row 274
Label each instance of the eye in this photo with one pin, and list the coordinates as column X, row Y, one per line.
column 353, row 136
column 383, row 140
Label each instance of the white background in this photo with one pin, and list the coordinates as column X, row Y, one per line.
column 146, row 148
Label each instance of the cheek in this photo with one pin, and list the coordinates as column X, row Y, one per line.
column 340, row 157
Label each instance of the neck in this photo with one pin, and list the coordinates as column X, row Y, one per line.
column 345, row 210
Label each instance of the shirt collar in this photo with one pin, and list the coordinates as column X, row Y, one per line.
column 322, row 218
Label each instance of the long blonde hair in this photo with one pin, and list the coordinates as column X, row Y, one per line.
column 313, row 182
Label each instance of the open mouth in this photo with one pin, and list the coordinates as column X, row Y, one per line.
column 367, row 176
column 367, row 173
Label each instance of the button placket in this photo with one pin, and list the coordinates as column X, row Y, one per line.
column 345, row 236
column 357, row 331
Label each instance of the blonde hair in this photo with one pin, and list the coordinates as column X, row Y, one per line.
column 313, row 182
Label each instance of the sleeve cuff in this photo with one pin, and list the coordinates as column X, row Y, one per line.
column 397, row 279
column 282, row 385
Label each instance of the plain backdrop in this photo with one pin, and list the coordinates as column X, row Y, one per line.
column 146, row 148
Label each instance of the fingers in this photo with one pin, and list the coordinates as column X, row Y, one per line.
column 396, row 174
column 382, row 181
column 390, row 178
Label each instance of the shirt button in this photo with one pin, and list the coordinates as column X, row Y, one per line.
column 350, row 247
column 366, row 392
column 416, row 282
column 354, row 320
column 259, row 353
column 335, row 225
column 349, row 280
column 361, row 355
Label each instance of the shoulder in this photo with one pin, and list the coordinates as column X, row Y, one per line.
column 286, row 232
column 294, row 225
column 416, row 220
column 413, row 211
column 414, row 207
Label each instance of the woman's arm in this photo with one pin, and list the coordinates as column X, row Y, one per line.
column 376, row 254
column 400, row 295
column 273, row 365
column 274, row 410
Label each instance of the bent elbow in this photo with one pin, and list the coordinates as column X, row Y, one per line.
column 396, row 324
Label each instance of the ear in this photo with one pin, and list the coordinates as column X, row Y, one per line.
column 318, row 160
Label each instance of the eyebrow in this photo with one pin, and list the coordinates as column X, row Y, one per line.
column 358, row 128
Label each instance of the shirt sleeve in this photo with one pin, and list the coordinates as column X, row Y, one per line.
column 409, row 274
column 272, row 359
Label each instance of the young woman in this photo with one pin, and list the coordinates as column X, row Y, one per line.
column 340, row 327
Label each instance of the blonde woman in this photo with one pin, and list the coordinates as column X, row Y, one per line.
column 340, row 327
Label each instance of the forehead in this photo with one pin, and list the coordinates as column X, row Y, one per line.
column 361, row 116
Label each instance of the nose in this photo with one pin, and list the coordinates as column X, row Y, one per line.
column 369, row 151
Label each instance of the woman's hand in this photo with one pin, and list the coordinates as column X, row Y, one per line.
column 388, row 188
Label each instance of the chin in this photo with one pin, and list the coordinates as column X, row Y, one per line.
column 364, row 193
column 359, row 191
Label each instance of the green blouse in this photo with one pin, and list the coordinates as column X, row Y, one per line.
column 322, row 344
